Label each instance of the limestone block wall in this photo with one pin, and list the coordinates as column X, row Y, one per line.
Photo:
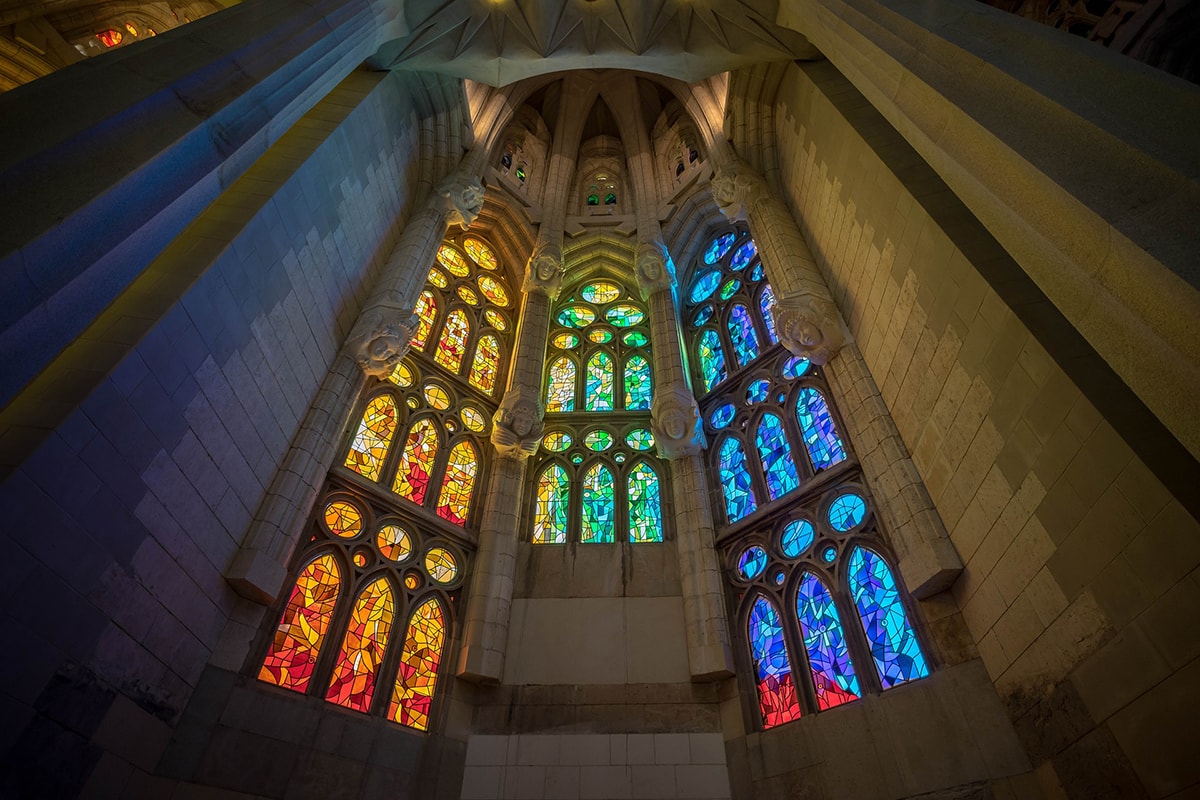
column 1081, row 585
column 119, row 527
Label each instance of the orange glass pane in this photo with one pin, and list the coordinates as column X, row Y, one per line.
column 374, row 436
column 482, row 254
column 417, row 677
column 297, row 640
column 110, row 38
column 426, row 311
column 453, row 260
column 452, row 346
column 483, row 366
column 493, row 290
column 455, row 499
column 416, row 462
column 353, row 683
column 343, row 519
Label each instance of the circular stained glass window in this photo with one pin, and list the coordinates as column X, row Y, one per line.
column 360, row 559
column 576, row 317
column 452, row 425
column 635, row 339
column 453, row 260
column 412, row 403
column 600, row 335
column 779, row 578
column 468, row 295
column 394, row 543
column 438, row 278
column 624, row 315
column 495, row 319
column 479, row 251
column 598, row 441
column 795, row 366
column 440, row 564
column 758, row 391
column 743, row 255
column 402, row 375
column 847, row 511
column 752, row 562
column 702, row 316
column 556, row 441
column 797, row 537
column 343, row 519
column 474, row 419
column 601, row 292
column 640, row 439
column 718, row 247
column 493, row 290
column 829, row 554
column 619, row 458
column 576, row 459
column 565, row 341
column 722, row 415
column 437, row 396
column 411, row 581
column 729, row 288
column 705, row 285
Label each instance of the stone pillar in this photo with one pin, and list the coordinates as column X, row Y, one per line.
column 675, row 420
column 377, row 342
column 516, row 432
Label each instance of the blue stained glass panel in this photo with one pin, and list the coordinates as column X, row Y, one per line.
column 599, row 383
column 645, row 508
column 847, row 511
column 705, row 285
column 757, row 273
column 776, row 457
column 735, row 480
column 797, row 537
column 743, row 255
column 795, row 366
column 741, row 333
column 825, row 641
column 752, row 562
column 712, row 359
column 758, row 391
column 894, row 646
column 598, row 514
column 702, row 316
column 722, row 416
column 718, row 247
column 765, row 301
column 772, row 668
column 819, row 431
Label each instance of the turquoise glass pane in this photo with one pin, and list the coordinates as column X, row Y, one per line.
column 758, row 391
column 765, row 300
column 637, row 384
column 645, row 506
column 776, row 457
column 550, row 513
column 635, row 339
column 741, row 333
column 825, row 640
column 743, row 255
column 598, row 514
column 702, row 316
column 735, row 480
column 640, row 439
column 757, row 273
column 624, row 315
column 795, row 366
column 705, row 285
column 797, row 537
column 722, row 416
column 846, row 511
column 820, row 434
column 599, row 383
column 894, row 646
column 772, row 668
column 752, row 562
column 718, row 247
column 712, row 359
column 560, row 389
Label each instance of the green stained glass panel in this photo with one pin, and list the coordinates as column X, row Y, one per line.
column 640, row 439
column 560, row 390
column 556, row 441
column 635, row 339
column 576, row 317
column 645, row 506
column 600, row 335
column 712, row 359
column 598, row 505
column 729, row 288
column 599, row 396
column 601, row 292
column 598, row 441
column 550, row 514
column 637, row 384
column 565, row 341
column 624, row 315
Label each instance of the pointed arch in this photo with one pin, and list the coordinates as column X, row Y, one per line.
column 371, row 441
column 818, row 429
column 777, row 700
column 416, row 461
column 419, row 662
column 301, row 630
column 778, row 467
column 599, row 394
column 645, row 504
column 357, row 666
column 560, row 388
column 735, row 478
column 461, row 467
column 741, row 333
column 894, row 647
column 452, row 345
column 637, row 383
column 485, row 364
column 765, row 301
column 426, row 311
column 712, row 358
column 599, row 505
column 550, row 512
column 825, row 641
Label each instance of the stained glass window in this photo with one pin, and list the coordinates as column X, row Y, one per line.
column 765, row 301
column 426, row 311
column 480, row 253
column 645, row 509
column 735, row 478
column 894, row 646
column 777, row 701
column 637, row 384
column 560, row 393
column 417, row 676
column 741, row 332
column 416, row 461
column 598, row 505
column 297, row 640
column 818, row 429
column 455, row 500
column 712, row 359
column 453, row 260
column 550, row 517
column 776, row 457
column 828, row 657
column 599, row 395
column 374, row 435
column 355, row 671
column 483, row 366
column 452, row 345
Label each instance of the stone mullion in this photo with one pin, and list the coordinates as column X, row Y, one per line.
column 927, row 558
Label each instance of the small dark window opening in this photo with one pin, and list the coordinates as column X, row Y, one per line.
column 692, row 156
column 678, row 169
column 506, row 160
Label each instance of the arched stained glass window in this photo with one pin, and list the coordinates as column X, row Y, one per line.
column 373, row 437
column 777, row 701
column 426, row 311
column 825, row 641
column 637, row 384
column 553, row 496
column 765, row 301
column 776, row 457
column 416, row 461
column 735, row 478
column 818, row 429
column 560, row 393
column 452, row 345
column 598, row 505
column 712, row 359
column 741, row 332
column 894, row 647
column 645, row 505
column 417, row 675
column 298, row 637
column 599, row 395
column 483, row 366
column 455, row 500
column 357, row 666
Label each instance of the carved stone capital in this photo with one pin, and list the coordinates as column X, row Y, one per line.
column 544, row 271
column 380, row 338
column 462, row 195
column 517, row 424
column 655, row 270
column 809, row 326
column 735, row 188
column 675, row 422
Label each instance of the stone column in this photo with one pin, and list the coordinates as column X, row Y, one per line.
column 675, row 420
column 377, row 342
column 516, row 432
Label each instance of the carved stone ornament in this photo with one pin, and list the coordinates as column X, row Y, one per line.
column 735, row 188
column 517, row 424
column 380, row 339
column 543, row 272
column 809, row 326
column 675, row 422
column 655, row 270
column 463, row 195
